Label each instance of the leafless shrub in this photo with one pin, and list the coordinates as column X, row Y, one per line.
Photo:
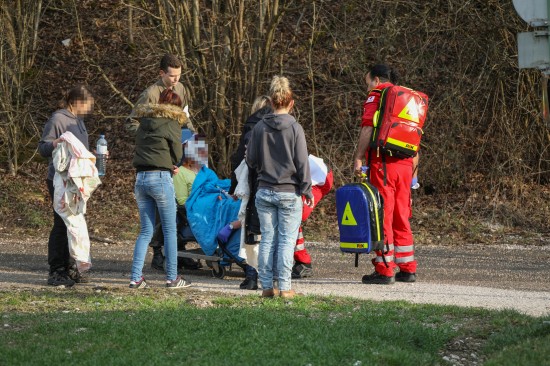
column 486, row 150
column 226, row 47
column 19, row 22
column 484, row 135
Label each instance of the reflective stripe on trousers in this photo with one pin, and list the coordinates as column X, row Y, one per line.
column 404, row 248
column 406, row 259
column 404, row 253
column 380, row 259
column 387, row 254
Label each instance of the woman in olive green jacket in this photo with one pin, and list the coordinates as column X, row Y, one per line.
column 158, row 151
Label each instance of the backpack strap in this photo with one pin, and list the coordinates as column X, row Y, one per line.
column 378, row 115
column 384, row 255
column 374, row 131
column 384, row 169
column 368, row 165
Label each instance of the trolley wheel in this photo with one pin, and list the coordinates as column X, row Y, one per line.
column 219, row 273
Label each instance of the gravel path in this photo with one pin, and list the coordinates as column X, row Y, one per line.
column 528, row 302
column 493, row 277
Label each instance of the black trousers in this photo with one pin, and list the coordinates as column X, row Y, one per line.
column 158, row 236
column 58, row 243
column 157, row 241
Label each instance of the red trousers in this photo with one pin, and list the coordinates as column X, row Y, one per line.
column 300, row 253
column 397, row 209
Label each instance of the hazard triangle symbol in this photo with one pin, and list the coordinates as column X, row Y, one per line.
column 410, row 112
column 347, row 217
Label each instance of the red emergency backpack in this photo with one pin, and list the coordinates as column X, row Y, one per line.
column 398, row 122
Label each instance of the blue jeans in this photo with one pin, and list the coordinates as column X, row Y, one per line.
column 280, row 215
column 155, row 189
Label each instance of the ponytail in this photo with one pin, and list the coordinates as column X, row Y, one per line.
column 280, row 92
column 384, row 73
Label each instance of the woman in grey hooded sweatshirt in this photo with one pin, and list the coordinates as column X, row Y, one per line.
column 278, row 152
column 77, row 104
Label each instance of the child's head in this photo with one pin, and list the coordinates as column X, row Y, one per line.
column 186, row 135
column 196, row 150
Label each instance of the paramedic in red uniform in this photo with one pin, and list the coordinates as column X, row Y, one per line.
column 396, row 192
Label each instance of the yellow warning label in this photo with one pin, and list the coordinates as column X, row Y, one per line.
column 347, row 217
column 410, row 112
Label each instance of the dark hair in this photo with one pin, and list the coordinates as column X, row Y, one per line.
column 199, row 137
column 384, row 73
column 169, row 60
column 168, row 96
column 78, row 92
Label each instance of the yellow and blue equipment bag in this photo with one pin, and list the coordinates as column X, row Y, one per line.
column 360, row 213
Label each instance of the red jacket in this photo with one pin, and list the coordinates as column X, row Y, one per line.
column 369, row 108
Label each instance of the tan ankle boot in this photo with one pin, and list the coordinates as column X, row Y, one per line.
column 270, row 292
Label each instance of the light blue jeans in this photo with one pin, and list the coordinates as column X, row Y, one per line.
column 280, row 215
column 155, row 189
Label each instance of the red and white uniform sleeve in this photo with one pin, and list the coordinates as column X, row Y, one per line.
column 371, row 104
column 369, row 108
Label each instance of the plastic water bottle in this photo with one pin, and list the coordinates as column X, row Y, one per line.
column 101, row 155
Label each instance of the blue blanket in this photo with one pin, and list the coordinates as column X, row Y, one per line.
column 209, row 210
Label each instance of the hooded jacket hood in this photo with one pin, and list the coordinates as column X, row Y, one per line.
column 70, row 116
column 153, row 116
column 158, row 137
column 279, row 122
column 277, row 151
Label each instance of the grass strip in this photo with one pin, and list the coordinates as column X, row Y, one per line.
column 116, row 326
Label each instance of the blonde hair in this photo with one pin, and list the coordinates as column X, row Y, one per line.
column 280, row 92
column 260, row 103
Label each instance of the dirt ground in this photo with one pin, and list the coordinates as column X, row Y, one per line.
column 504, row 276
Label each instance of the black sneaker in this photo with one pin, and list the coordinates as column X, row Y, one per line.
column 158, row 259
column 77, row 276
column 376, row 278
column 60, row 279
column 179, row 282
column 405, row 276
column 249, row 283
column 301, row 270
column 138, row 285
